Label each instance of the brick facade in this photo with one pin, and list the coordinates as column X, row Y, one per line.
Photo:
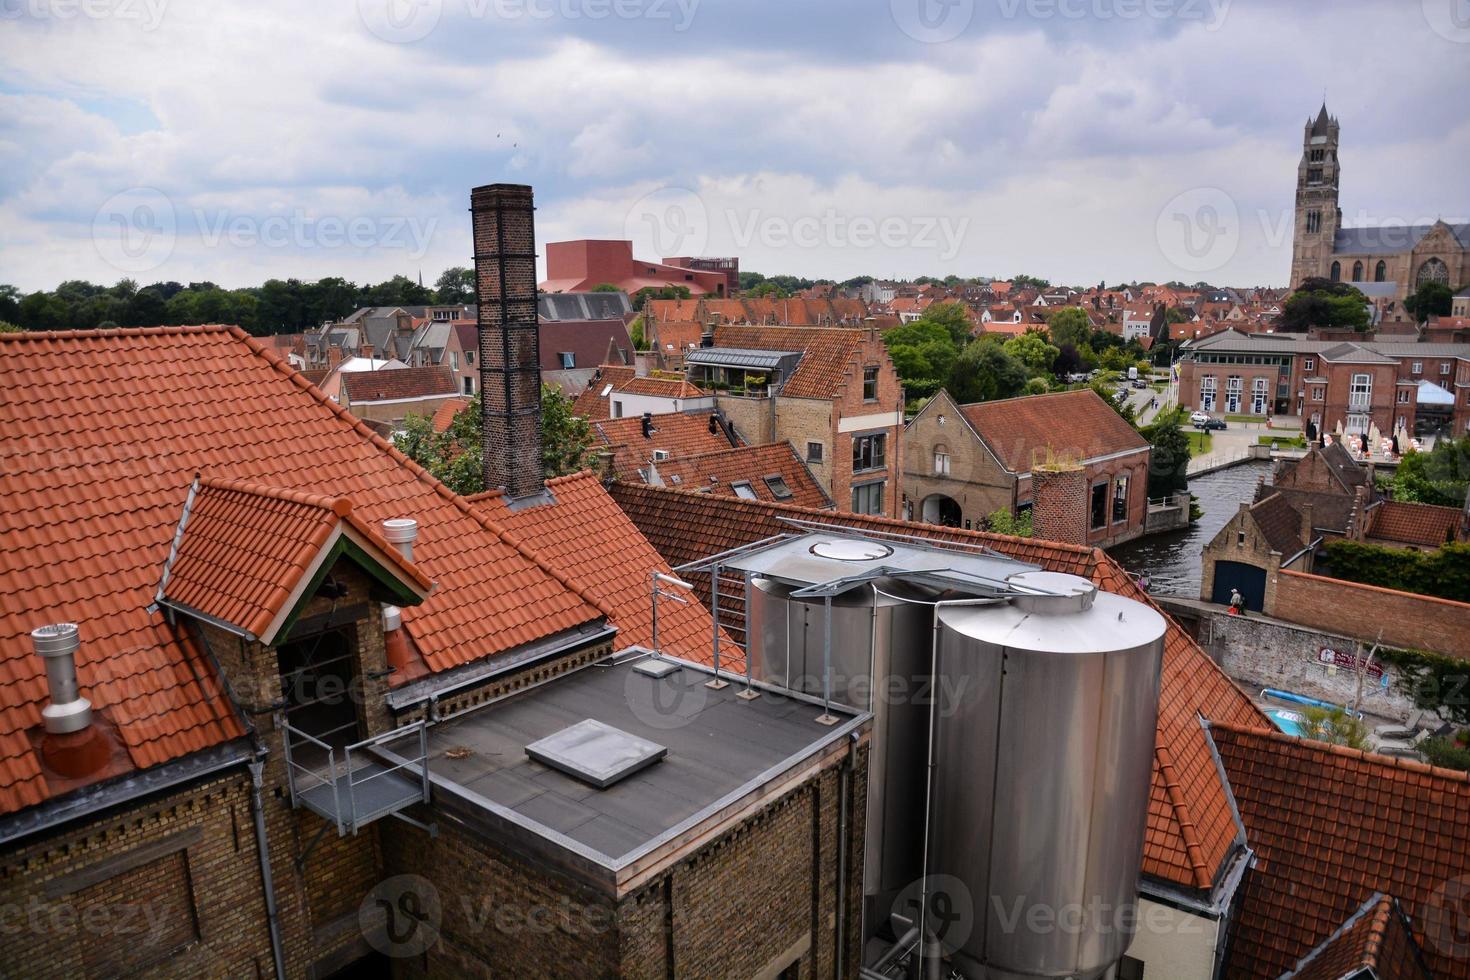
column 503, row 217
column 1406, row 620
column 1059, row 503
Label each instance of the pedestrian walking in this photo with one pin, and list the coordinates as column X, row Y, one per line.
column 1237, row 603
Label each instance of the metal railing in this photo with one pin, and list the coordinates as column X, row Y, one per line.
column 350, row 775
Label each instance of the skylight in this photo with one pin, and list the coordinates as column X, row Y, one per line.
column 596, row 753
column 743, row 489
column 778, row 486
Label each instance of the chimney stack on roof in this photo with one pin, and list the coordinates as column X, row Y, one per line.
column 400, row 532
column 1059, row 501
column 648, row 429
column 503, row 219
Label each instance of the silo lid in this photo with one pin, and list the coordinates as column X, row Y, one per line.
column 850, row 549
column 1051, row 592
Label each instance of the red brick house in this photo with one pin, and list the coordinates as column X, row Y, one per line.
column 583, row 264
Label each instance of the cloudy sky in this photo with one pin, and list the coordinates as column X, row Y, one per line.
column 1073, row 139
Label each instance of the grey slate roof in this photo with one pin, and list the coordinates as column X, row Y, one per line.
column 1388, row 239
column 583, row 306
column 1234, row 342
column 1355, row 354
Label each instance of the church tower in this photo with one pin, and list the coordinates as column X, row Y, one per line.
column 1318, row 215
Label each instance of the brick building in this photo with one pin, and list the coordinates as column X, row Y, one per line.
column 964, row 462
column 831, row 392
column 390, row 395
column 1351, row 386
column 583, row 264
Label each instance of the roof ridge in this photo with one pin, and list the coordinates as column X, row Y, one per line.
column 341, row 506
column 729, row 449
column 1387, row 761
column 1183, row 817
column 104, row 332
column 361, row 427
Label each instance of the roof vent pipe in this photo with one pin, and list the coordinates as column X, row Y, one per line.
column 68, row 711
column 401, row 532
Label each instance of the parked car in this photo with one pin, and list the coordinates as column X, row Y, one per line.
column 1209, row 424
column 1199, row 418
column 1140, row 383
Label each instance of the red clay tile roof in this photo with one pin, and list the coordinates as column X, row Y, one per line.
column 1016, row 429
column 395, row 384
column 1330, row 827
column 102, row 432
column 672, row 309
column 444, row 414
column 1191, row 828
column 661, row 388
column 242, row 550
column 1411, row 523
column 1280, row 524
column 676, row 336
column 592, row 404
column 1375, row 938
column 829, row 360
column 587, row 537
column 679, row 434
column 718, row 472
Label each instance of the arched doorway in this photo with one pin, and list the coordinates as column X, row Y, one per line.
column 1250, row 580
column 939, row 509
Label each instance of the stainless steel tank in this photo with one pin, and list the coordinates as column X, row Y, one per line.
column 882, row 636
column 1043, row 753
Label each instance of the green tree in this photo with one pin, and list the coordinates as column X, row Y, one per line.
column 953, row 317
column 1430, row 299
column 1004, row 522
column 1323, row 303
column 1032, row 350
column 454, row 455
column 985, row 372
column 455, row 286
column 1440, row 476
column 1335, row 726
column 1070, row 325
column 7, row 327
column 1169, row 461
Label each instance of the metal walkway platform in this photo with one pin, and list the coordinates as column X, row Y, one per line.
column 355, row 785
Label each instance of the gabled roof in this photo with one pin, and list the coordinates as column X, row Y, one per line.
column 399, row 384
column 1373, row 944
column 1279, row 523
column 829, row 356
column 661, row 388
column 679, row 434
column 445, row 413
column 586, row 537
column 1191, row 827
column 245, row 555
column 772, row 472
column 1331, row 827
column 1347, row 353
column 588, row 341
column 102, row 432
column 592, row 403
column 1017, row 429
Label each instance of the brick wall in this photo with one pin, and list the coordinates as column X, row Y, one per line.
column 1060, row 504
column 171, row 889
column 977, row 482
column 503, row 217
column 1406, row 620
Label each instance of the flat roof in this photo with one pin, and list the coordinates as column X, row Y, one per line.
column 721, row 750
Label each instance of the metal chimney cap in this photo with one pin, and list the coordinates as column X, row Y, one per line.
column 400, row 530
column 56, row 640
column 1054, row 592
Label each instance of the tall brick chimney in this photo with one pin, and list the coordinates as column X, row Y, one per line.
column 1059, row 501
column 510, row 362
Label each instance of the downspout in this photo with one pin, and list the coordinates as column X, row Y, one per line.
column 263, row 850
column 844, row 805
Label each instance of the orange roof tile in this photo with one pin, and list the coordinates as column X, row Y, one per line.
column 679, row 434
column 718, row 472
column 242, row 550
column 1016, row 429
column 661, row 388
column 1375, row 938
column 1191, row 828
column 1412, row 523
column 592, row 404
column 676, row 336
column 587, row 537
column 829, row 356
column 102, row 432
column 1331, row 827
column 444, row 414
column 398, row 384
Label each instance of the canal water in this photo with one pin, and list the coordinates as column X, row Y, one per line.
column 1172, row 560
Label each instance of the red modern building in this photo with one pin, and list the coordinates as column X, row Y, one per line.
column 586, row 263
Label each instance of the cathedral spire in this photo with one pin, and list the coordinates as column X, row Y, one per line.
column 1319, row 128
